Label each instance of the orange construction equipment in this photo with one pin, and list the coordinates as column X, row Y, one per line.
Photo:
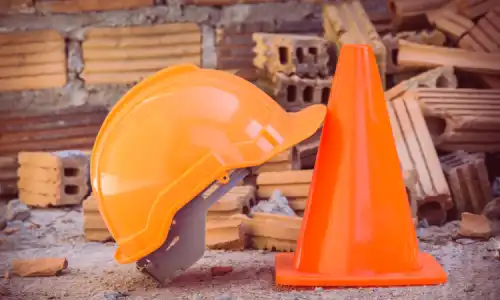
column 357, row 228
column 173, row 145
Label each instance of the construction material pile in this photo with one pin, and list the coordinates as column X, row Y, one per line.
column 439, row 62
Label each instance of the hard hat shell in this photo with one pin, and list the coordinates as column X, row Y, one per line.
column 174, row 134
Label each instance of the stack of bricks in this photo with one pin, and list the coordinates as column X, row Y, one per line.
column 293, row 69
column 294, row 185
column 443, row 80
column 225, row 219
column 94, row 227
column 53, row 178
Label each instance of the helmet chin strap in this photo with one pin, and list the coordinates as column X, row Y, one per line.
column 185, row 242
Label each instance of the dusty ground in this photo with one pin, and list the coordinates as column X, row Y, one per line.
column 474, row 272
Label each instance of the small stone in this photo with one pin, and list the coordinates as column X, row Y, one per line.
column 196, row 297
column 475, row 226
column 223, row 297
column 470, row 288
column 219, row 271
column 319, row 289
column 17, row 211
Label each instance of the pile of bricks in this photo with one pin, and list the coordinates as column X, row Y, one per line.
column 440, row 66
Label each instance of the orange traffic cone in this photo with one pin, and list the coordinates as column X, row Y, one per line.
column 357, row 228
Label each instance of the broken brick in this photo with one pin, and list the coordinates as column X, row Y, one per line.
column 220, row 271
column 475, row 226
column 468, row 180
column 461, row 119
column 38, row 267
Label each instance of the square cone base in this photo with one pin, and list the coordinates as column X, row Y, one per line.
column 431, row 273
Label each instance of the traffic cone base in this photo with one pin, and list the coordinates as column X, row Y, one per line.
column 430, row 273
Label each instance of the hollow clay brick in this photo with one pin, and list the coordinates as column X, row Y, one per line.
column 485, row 35
column 468, row 179
column 441, row 77
column 228, row 234
column 302, row 55
column 281, row 162
column 53, row 178
column 94, row 227
column 461, row 119
column 274, row 232
column 411, row 14
column 294, row 93
column 433, row 37
column 473, row 9
column 304, row 153
column 453, row 24
column 426, row 56
column 416, row 152
column 238, row 200
column 346, row 22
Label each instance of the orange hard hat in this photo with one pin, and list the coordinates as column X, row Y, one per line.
column 174, row 134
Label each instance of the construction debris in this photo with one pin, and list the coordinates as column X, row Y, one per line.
column 294, row 185
column 277, row 204
column 475, row 226
column 39, row 267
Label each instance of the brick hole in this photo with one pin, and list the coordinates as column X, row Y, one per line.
column 314, row 52
column 299, row 52
column 308, row 94
column 71, row 172
column 432, row 212
column 394, row 56
column 392, row 7
column 291, row 93
column 436, row 126
column 325, row 95
column 443, row 82
column 71, row 189
column 283, row 54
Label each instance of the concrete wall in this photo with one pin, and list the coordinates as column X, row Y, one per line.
column 289, row 16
